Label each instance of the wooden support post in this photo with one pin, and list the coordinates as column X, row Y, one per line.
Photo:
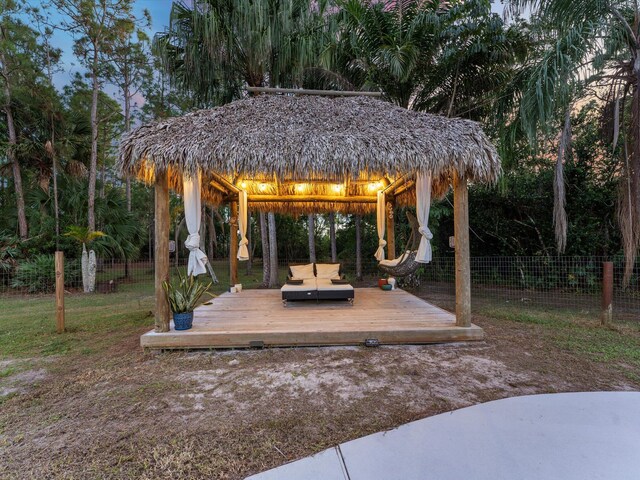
column 607, row 293
column 463, row 267
column 391, row 230
column 59, row 261
column 161, row 250
column 233, row 245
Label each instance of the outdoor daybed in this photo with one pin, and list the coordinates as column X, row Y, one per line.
column 316, row 281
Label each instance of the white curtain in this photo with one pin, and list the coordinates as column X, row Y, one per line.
column 192, row 213
column 243, row 251
column 423, row 205
column 380, row 213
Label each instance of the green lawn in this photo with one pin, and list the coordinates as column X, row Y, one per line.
column 93, row 321
column 579, row 333
column 96, row 321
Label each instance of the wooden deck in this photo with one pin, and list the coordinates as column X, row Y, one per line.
column 257, row 317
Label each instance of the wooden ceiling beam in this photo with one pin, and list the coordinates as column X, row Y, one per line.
column 231, row 188
column 397, row 184
column 310, row 198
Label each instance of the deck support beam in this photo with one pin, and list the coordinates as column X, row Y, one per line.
column 161, row 250
column 233, row 244
column 463, row 267
column 391, row 229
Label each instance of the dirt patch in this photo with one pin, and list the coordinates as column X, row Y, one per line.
column 229, row 414
column 17, row 376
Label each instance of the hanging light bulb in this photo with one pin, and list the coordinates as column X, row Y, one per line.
column 373, row 186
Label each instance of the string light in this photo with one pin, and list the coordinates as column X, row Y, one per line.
column 375, row 186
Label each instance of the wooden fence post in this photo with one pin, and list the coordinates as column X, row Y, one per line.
column 59, row 263
column 607, row 293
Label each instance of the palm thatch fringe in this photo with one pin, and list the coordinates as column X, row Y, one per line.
column 305, row 208
column 318, row 140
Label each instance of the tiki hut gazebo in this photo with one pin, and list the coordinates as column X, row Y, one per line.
column 309, row 154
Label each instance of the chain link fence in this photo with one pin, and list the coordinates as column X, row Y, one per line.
column 549, row 282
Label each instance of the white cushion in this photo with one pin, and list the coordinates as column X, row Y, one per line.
column 393, row 263
column 328, row 270
column 305, row 286
column 302, row 271
column 325, row 284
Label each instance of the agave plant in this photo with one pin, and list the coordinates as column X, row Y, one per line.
column 183, row 295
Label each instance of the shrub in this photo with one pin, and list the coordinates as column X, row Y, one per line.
column 9, row 253
column 38, row 274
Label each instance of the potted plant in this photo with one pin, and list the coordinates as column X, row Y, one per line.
column 183, row 296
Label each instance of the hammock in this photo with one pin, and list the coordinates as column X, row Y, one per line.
column 405, row 264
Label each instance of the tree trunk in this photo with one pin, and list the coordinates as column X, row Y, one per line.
column 358, row 247
column 56, row 208
column 103, row 178
column 84, row 262
column 264, row 237
column 273, row 251
column 213, row 240
column 17, row 182
column 11, row 153
column 332, row 237
column 127, row 127
column 92, row 266
column 249, row 262
column 311, row 227
column 629, row 199
column 52, row 150
column 233, row 242
column 93, row 166
column 176, row 239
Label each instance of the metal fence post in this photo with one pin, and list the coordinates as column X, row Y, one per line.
column 59, row 263
column 607, row 293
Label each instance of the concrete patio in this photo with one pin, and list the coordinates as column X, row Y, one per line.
column 568, row 436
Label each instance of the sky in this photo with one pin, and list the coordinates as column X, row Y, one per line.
column 159, row 10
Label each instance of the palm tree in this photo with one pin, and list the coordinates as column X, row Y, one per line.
column 85, row 236
column 215, row 47
column 591, row 47
column 450, row 58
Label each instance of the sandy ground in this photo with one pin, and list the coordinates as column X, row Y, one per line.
column 126, row 414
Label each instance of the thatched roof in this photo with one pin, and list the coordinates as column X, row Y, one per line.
column 311, row 138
